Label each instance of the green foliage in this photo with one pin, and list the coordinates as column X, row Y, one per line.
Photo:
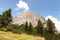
column 51, row 27
column 50, row 31
column 26, row 27
column 34, row 31
column 1, row 21
column 5, row 18
column 13, row 28
column 39, row 28
column 30, row 28
column 21, row 28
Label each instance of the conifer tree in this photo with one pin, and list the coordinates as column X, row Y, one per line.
column 50, row 27
column 30, row 28
column 26, row 27
column 1, row 21
column 7, row 17
column 39, row 28
column 50, row 31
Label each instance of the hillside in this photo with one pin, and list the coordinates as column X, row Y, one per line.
column 12, row 36
column 13, row 30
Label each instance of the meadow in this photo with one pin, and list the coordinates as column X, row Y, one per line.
column 13, row 36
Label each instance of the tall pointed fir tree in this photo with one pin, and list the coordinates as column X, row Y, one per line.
column 51, row 27
column 1, row 21
column 50, row 31
column 26, row 27
column 30, row 28
column 39, row 28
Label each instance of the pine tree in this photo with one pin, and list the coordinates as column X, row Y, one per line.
column 1, row 21
column 50, row 31
column 30, row 28
column 26, row 27
column 7, row 17
column 50, row 27
column 39, row 28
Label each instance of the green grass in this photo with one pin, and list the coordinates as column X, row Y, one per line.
column 13, row 36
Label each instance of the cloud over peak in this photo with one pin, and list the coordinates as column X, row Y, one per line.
column 55, row 20
column 22, row 5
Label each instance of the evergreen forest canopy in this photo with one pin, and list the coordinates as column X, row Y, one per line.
column 49, row 33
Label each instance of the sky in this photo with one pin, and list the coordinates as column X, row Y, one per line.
column 47, row 8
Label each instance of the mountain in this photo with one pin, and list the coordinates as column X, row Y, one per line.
column 29, row 17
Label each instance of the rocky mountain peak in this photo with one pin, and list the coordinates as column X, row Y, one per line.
column 29, row 16
column 27, row 13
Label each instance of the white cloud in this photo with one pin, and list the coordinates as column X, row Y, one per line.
column 55, row 20
column 22, row 5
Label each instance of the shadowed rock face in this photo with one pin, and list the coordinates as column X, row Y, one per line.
column 29, row 17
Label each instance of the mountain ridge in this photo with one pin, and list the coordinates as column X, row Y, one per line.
column 29, row 16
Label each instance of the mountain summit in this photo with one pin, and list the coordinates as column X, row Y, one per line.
column 29, row 17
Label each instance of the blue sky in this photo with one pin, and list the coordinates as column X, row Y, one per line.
column 44, row 7
column 47, row 8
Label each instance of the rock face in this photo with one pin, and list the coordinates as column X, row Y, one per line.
column 29, row 17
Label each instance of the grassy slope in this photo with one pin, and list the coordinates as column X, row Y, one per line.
column 12, row 36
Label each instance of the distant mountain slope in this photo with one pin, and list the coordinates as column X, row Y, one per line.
column 29, row 17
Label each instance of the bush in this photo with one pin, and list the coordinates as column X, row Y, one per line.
column 15, row 28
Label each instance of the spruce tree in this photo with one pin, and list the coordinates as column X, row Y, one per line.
column 6, row 17
column 26, row 27
column 50, row 31
column 30, row 28
column 1, row 21
column 50, row 27
column 39, row 28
